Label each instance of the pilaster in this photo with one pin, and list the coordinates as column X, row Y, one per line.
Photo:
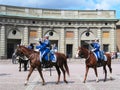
column 2, row 42
column 99, row 36
column 112, row 40
column 62, row 40
column 39, row 32
column 25, row 36
column 75, row 45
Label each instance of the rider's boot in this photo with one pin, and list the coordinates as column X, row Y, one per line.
column 99, row 63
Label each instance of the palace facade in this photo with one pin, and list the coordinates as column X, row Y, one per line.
column 68, row 29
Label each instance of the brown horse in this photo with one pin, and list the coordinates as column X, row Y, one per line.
column 91, row 62
column 33, row 56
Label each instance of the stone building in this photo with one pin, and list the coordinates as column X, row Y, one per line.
column 67, row 28
column 118, row 36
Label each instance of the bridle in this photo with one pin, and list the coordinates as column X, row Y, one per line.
column 88, row 54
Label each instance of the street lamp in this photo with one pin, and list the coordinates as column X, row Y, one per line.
column 14, row 30
column 87, row 32
column 51, row 32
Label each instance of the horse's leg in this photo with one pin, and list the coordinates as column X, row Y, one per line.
column 104, row 67
column 64, row 74
column 110, row 69
column 87, row 68
column 58, row 71
column 30, row 72
column 25, row 66
column 19, row 65
column 95, row 69
column 40, row 72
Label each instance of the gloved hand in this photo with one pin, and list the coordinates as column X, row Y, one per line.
column 40, row 40
column 93, row 50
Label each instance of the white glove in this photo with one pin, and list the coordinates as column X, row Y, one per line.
column 93, row 50
column 40, row 39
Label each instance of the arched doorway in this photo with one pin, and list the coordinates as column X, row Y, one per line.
column 14, row 37
column 11, row 46
column 53, row 37
column 86, row 40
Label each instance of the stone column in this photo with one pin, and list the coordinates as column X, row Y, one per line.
column 75, row 45
column 25, row 36
column 2, row 42
column 99, row 36
column 39, row 32
column 62, row 40
column 112, row 39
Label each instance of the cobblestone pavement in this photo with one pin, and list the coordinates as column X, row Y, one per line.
column 12, row 79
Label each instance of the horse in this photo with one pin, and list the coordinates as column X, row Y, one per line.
column 34, row 58
column 91, row 62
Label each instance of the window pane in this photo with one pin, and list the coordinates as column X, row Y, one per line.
column 105, row 34
column 33, row 33
column 69, row 34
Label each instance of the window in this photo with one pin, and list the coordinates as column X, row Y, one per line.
column 106, row 47
column 69, row 34
column 33, row 33
column 105, row 34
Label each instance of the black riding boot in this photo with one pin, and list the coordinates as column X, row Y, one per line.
column 99, row 63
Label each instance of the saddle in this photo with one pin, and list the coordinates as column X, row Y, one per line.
column 46, row 64
column 100, row 59
column 48, row 60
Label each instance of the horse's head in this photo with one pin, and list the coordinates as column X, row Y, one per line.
column 19, row 51
column 81, row 52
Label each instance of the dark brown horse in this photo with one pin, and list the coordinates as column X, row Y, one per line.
column 33, row 56
column 91, row 62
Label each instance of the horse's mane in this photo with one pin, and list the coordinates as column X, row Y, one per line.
column 84, row 48
column 30, row 50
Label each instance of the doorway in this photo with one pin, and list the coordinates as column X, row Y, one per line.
column 11, row 46
column 69, row 50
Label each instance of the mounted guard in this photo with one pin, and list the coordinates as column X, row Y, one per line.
column 46, row 56
column 97, row 52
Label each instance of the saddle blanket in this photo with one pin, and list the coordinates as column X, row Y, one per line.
column 105, row 58
column 49, row 57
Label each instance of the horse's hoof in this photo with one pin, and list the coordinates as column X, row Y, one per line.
column 43, row 83
column 57, row 82
column 111, row 78
column 26, row 83
column 83, row 81
column 97, row 81
column 105, row 80
column 65, row 81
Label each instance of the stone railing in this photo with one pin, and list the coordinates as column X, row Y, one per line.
column 52, row 13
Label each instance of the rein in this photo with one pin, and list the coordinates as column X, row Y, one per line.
column 27, row 54
column 88, row 55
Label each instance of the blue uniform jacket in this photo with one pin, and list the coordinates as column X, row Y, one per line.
column 44, row 47
column 96, row 47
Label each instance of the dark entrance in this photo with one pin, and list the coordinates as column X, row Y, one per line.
column 106, row 47
column 11, row 46
column 54, row 42
column 69, row 50
column 85, row 44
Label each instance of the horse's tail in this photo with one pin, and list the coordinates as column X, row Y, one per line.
column 66, row 66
